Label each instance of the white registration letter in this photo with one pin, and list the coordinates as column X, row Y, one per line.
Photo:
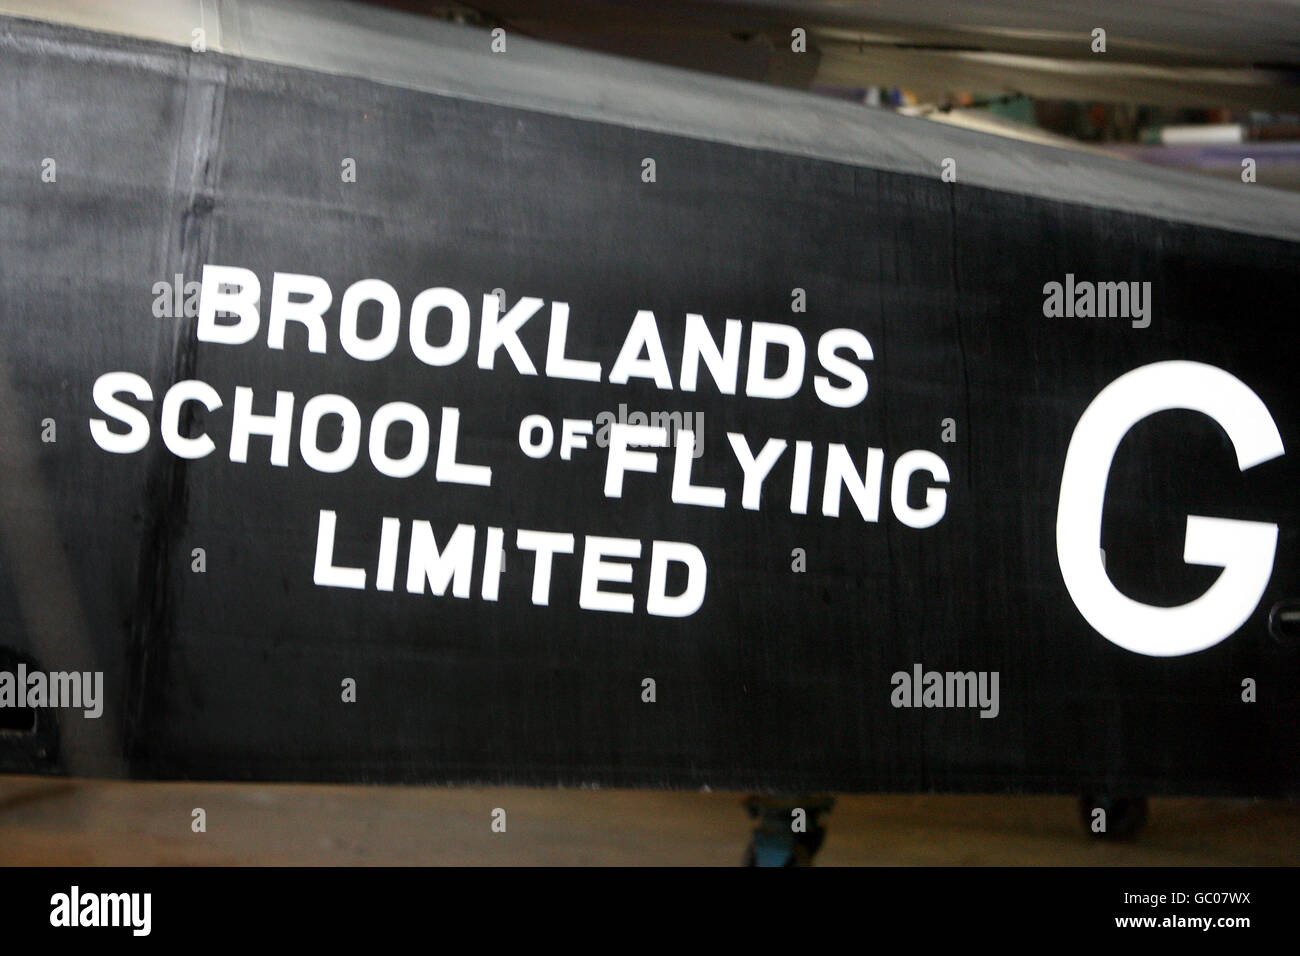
column 1244, row 549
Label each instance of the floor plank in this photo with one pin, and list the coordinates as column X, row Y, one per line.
column 93, row 822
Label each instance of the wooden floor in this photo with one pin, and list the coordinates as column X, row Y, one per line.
column 78, row 822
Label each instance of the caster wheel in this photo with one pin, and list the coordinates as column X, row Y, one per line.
column 775, row 842
column 1112, row 818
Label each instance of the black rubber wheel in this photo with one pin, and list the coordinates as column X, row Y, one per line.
column 1125, row 816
